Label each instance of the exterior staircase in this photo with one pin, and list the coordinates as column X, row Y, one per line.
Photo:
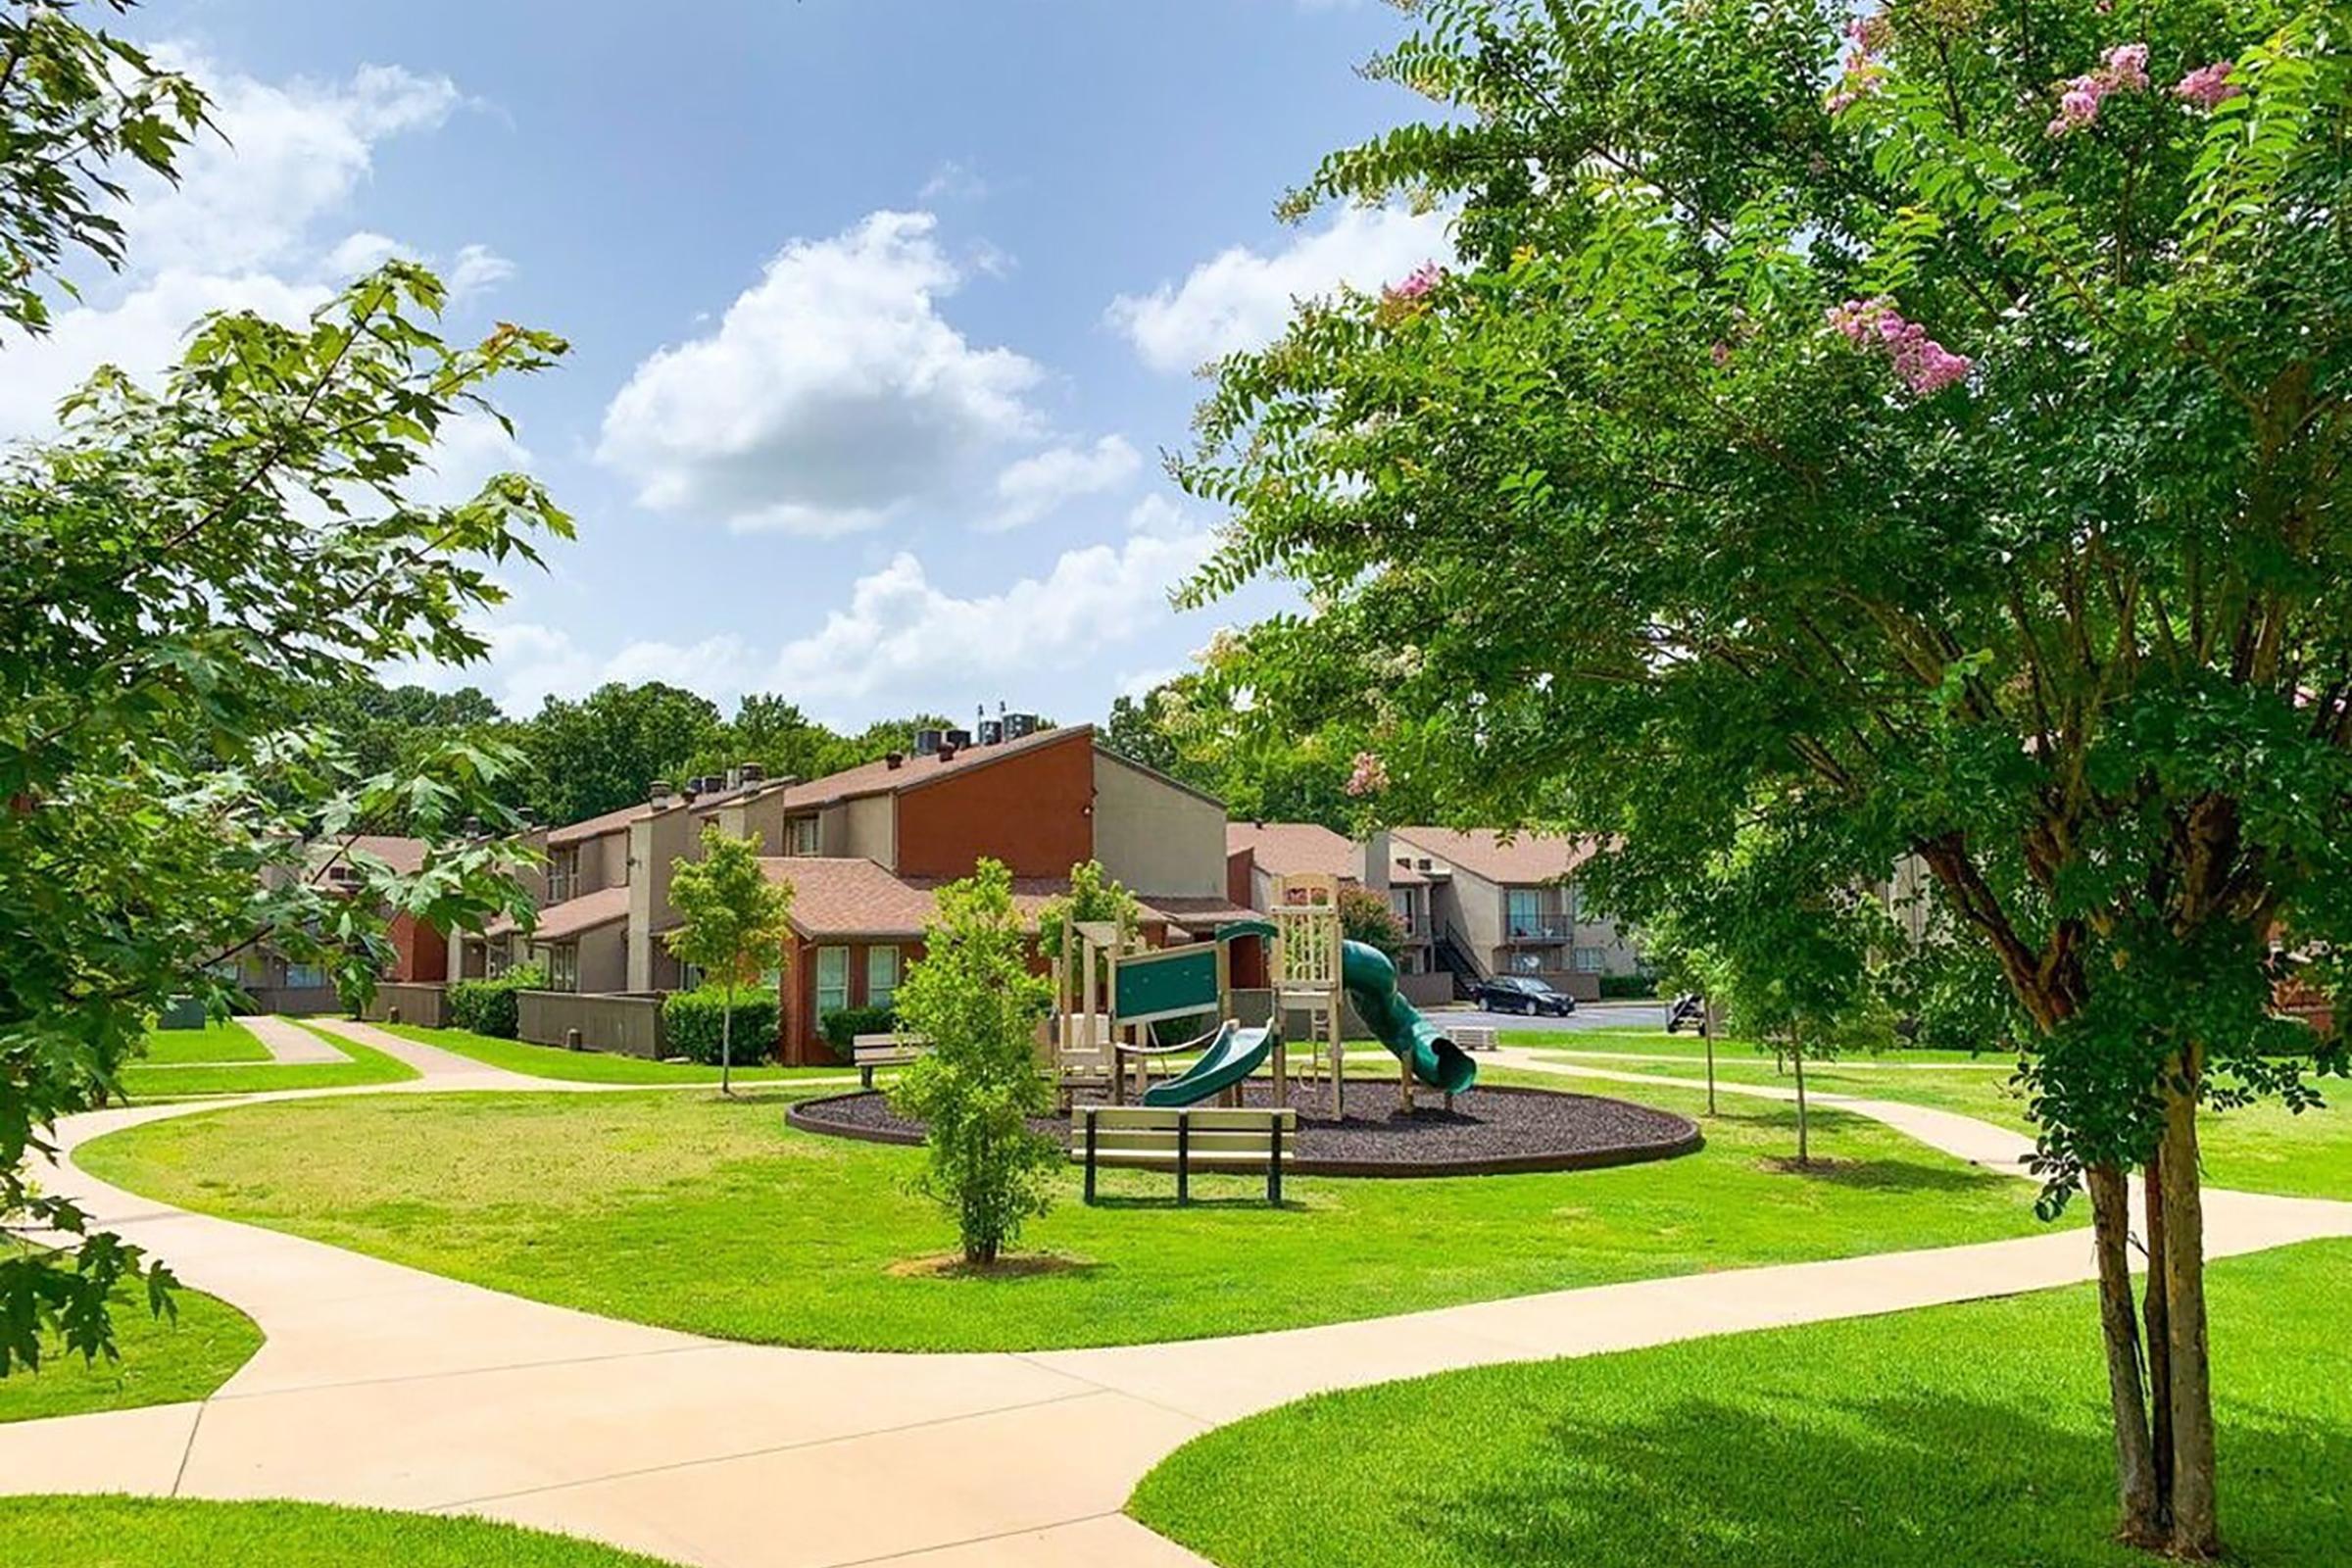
column 1453, row 956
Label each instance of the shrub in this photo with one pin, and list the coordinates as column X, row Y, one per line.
column 843, row 1026
column 488, row 1007
column 693, row 1019
column 1368, row 918
column 972, row 996
column 1625, row 987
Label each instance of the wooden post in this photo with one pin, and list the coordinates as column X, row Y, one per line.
column 1089, row 1152
column 1183, row 1157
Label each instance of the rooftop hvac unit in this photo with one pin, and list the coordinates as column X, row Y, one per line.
column 1019, row 725
column 992, row 732
column 752, row 773
column 926, row 741
column 957, row 738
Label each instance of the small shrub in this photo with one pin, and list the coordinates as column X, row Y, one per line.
column 1628, row 987
column 693, row 1019
column 488, row 1007
column 843, row 1026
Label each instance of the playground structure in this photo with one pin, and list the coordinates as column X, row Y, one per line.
column 1107, row 996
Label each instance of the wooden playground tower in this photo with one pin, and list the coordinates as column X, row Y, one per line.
column 1107, row 994
column 1303, row 967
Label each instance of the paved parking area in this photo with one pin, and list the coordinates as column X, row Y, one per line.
column 1587, row 1015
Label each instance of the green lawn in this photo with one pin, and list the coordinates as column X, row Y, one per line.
column 2263, row 1148
column 590, row 1066
column 224, row 1041
column 162, row 1361
column 1958, row 1437
column 147, row 1081
column 113, row 1532
column 714, row 1216
column 1658, row 1043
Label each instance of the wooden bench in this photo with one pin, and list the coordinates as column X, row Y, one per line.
column 884, row 1051
column 1473, row 1037
column 1184, row 1139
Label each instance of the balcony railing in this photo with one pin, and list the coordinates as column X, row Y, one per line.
column 1544, row 928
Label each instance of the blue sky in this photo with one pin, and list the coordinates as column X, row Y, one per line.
column 882, row 311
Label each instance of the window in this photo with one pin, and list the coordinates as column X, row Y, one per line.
column 1591, row 960
column 564, row 874
column 801, row 836
column 832, row 980
column 881, row 976
column 1523, row 911
column 564, row 967
column 1401, row 900
column 305, row 976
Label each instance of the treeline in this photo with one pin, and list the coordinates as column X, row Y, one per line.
column 598, row 753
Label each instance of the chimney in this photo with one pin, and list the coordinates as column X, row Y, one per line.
column 1377, row 860
column 734, row 779
column 894, row 759
column 657, row 791
column 945, row 752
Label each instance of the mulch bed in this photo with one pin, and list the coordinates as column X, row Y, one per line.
column 1491, row 1131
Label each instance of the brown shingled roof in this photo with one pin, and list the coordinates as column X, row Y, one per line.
column 1291, row 848
column 1522, row 858
column 560, row 922
column 853, row 896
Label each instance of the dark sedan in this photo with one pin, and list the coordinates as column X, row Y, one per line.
column 1513, row 993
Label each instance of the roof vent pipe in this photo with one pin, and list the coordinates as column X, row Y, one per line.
column 893, row 760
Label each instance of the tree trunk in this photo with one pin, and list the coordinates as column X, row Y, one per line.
column 727, row 1043
column 2195, row 1531
column 2142, row 1523
column 1804, row 1146
column 2156, row 1313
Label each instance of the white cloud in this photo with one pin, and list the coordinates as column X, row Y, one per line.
column 294, row 152
column 1033, row 487
column 476, row 270
column 903, row 639
column 831, row 394
column 952, row 180
column 361, row 252
column 1241, row 299
column 472, row 448
column 142, row 335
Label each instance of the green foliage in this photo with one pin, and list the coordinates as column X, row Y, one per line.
column 1368, row 918
column 1188, row 730
column 732, row 923
column 709, row 1027
column 974, row 998
column 843, row 1026
column 1095, row 896
column 1628, row 987
column 190, row 563
column 488, row 1007
column 600, row 754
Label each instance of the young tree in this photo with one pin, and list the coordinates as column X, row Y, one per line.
column 732, row 925
column 972, row 996
column 1095, row 896
column 1947, row 440
column 190, row 564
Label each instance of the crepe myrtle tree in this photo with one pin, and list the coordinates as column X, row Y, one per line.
column 732, row 925
column 188, row 563
column 1930, row 422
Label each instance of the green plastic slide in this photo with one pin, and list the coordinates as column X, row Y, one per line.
column 1232, row 1056
column 1371, row 982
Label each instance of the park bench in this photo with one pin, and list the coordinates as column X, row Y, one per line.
column 1184, row 1139
column 870, row 1051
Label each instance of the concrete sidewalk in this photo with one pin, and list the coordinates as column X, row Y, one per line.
column 384, row 1385
column 287, row 1041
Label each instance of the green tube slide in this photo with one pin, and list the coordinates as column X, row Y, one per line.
column 1371, row 982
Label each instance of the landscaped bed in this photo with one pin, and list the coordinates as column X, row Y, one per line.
column 1957, row 1436
column 182, row 1533
column 1489, row 1131
column 715, row 1216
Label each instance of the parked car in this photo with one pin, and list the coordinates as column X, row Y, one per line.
column 1518, row 993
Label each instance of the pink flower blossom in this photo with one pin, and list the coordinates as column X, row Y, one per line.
column 1370, row 777
column 2122, row 68
column 2208, row 86
column 1419, row 281
column 1922, row 365
column 1863, row 74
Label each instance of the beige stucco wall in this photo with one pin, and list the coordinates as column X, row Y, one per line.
column 604, row 863
column 1154, row 837
column 761, row 817
column 870, row 827
column 655, row 842
column 604, row 957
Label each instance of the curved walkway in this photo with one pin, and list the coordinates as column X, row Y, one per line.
column 381, row 1385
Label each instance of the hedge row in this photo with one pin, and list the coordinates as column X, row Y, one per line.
column 694, row 1020
column 488, row 1007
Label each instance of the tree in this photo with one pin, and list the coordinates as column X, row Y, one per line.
column 600, row 754
column 1201, row 735
column 972, row 996
column 189, row 565
column 1367, row 918
column 1947, row 445
column 731, row 924
column 774, row 733
column 1095, row 896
